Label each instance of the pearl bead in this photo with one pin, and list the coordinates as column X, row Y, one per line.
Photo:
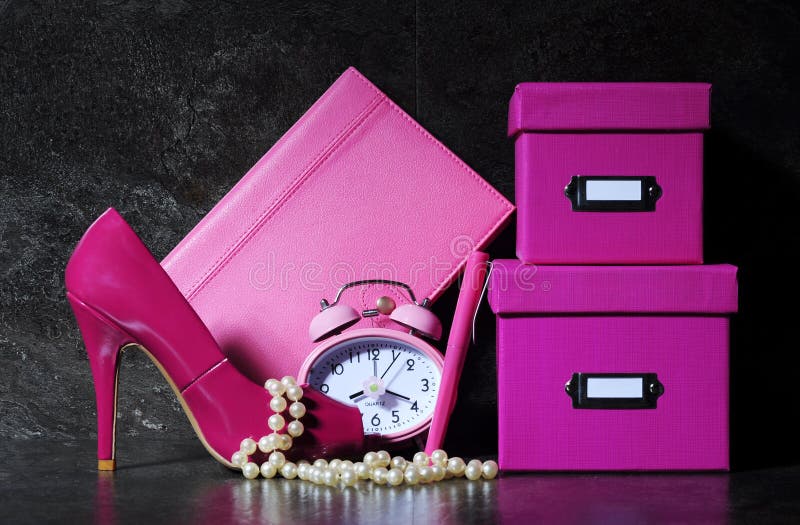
column 270, row 382
column 238, row 458
column 349, row 478
column 288, row 381
column 361, row 470
column 295, row 428
column 316, row 475
column 248, row 446
column 276, row 389
column 264, row 444
column 439, row 457
column 383, row 458
column 448, row 474
column 320, row 463
column 294, row 393
column 425, row 474
column 345, row 465
column 420, row 459
column 456, row 466
column 330, row 477
column 472, row 472
column 268, row 470
column 394, row 477
column 277, row 459
column 276, row 422
column 490, row 469
column 411, row 475
column 334, row 464
column 438, row 472
column 277, row 404
column 399, row 462
column 370, row 459
column 477, row 462
column 302, row 471
column 379, row 475
column 289, row 470
column 250, row 470
column 297, row 410
column 285, row 442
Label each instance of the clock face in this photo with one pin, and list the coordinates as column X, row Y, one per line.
column 392, row 382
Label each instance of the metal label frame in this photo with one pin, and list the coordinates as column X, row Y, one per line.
column 575, row 191
column 577, row 389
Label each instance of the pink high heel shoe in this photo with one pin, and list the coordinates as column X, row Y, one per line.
column 122, row 298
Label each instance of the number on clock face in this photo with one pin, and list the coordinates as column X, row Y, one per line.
column 392, row 383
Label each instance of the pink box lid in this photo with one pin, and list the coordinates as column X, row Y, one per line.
column 543, row 106
column 518, row 288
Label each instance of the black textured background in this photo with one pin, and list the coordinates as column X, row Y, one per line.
column 158, row 107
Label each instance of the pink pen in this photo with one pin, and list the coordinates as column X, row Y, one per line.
column 457, row 346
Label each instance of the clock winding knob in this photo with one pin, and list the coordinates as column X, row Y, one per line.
column 385, row 305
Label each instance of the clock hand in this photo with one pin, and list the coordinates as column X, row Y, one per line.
column 398, row 395
column 357, row 394
column 390, row 364
column 375, row 367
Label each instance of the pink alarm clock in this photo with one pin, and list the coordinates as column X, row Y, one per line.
column 392, row 376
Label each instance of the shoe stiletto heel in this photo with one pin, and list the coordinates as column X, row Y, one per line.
column 103, row 344
column 122, row 298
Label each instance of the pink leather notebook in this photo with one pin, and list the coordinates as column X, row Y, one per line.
column 355, row 189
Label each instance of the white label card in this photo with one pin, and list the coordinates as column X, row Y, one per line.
column 614, row 387
column 613, row 190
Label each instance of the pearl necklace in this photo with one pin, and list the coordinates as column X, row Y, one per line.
column 378, row 467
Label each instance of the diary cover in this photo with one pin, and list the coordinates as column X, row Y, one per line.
column 356, row 189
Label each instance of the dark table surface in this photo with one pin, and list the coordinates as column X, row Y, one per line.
column 169, row 481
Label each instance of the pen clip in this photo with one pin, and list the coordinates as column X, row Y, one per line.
column 489, row 267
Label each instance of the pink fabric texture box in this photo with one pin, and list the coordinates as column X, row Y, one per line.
column 612, row 367
column 609, row 173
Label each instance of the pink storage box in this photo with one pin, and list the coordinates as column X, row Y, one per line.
column 609, row 173
column 612, row 367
